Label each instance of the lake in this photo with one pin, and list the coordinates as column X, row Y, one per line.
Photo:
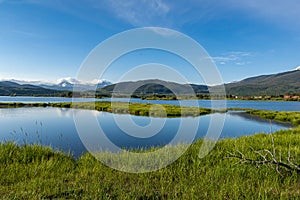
column 56, row 127
column 260, row 105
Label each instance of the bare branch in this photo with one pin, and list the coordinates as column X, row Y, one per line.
column 268, row 158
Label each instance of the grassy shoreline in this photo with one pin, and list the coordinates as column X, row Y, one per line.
column 139, row 109
column 281, row 116
column 38, row 172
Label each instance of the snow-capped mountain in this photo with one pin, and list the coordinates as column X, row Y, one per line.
column 66, row 84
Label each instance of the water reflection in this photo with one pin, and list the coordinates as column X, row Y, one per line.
column 55, row 127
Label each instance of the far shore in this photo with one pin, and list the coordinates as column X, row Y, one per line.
column 284, row 98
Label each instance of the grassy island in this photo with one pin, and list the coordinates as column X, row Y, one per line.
column 140, row 109
column 282, row 116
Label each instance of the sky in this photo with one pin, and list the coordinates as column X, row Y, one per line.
column 46, row 40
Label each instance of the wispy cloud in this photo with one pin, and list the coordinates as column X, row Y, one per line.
column 233, row 57
column 169, row 13
column 136, row 12
column 139, row 12
column 243, row 63
column 25, row 34
column 165, row 32
column 177, row 13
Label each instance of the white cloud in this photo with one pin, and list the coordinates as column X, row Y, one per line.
column 242, row 63
column 139, row 12
column 236, row 57
column 165, row 32
column 68, row 79
column 224, row 59
column 175, row 13
column 135, row 12
column 97, row 81
column 75, row 81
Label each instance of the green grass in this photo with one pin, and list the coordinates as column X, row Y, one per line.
column 34, row 172
column 140, row 109
column 290, row 117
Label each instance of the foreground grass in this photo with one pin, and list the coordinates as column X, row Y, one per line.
column 290, row 117
column 34, row 172
column 140, row 109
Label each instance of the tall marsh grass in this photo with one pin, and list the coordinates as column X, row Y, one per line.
column 35, row 172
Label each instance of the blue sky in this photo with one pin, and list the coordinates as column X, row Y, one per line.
column 49, row 39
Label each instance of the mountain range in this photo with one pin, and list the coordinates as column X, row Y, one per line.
column 36, row 88
column 273, row 85
column 154, row 86
column 8, row 88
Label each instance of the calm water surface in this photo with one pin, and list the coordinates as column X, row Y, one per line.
column 260, row 105
column 56, row 127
